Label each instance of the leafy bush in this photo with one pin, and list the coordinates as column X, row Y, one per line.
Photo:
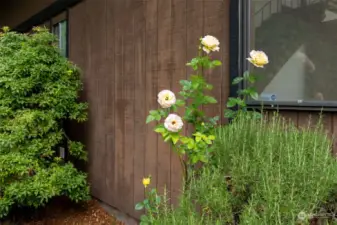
column 38, row 90
column 264, row 172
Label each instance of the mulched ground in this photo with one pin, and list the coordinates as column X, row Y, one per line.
column 64, row 212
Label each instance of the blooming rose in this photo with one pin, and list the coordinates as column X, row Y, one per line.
column 166, row 98
column 146, row 181
column 173, row 123
column 258, row 58
column 210, row 44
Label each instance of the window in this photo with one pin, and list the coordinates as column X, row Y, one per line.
column 300, row 39
column 60, row 30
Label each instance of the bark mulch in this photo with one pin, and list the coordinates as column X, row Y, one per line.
column 64, row 212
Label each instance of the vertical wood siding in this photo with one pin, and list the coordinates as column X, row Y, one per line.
column 128, row 51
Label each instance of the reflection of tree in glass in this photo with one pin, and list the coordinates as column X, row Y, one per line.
column 284, row 33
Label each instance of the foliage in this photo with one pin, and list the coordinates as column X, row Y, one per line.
column 151, row 203
column 276, row 170
column 258, row 59
column 185, row 214
column 269, row 173
column 38, row 91
column 243, row 94
column 196, row 147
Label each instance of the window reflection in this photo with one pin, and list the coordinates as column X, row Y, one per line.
column 60, row 30
column 300, row 38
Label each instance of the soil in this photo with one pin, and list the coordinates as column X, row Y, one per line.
column 64, row 212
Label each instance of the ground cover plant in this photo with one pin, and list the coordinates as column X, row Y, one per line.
column 38, row 91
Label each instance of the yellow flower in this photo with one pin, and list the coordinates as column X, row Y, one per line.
column 146, row 181
column 258, row 58
column 210, row 44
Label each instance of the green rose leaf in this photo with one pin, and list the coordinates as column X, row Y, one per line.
column 210, row 99
column 254, row 95
column 231, row 102
column 150, row 118
column 160, row 129
column 237, row 80
column 175, row 138
column 246, row 75
column 216, row 63
column 139, row 206
column 180, row 102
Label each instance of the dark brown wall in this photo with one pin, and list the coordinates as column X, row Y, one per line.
column 129, row 50
column 12, row 13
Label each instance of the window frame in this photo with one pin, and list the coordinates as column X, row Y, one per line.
column 240, row 24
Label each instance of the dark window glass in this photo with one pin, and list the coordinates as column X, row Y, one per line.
column 300, row 39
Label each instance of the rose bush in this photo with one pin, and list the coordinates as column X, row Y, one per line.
column 195, row 147
column 237, row 104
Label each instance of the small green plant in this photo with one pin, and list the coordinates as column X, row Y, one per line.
column 151, row 203
column 159, row 211
column 38, row 91
column 196, row 147
column 258, row 59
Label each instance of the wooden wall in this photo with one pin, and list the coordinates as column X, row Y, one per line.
column 129, row 50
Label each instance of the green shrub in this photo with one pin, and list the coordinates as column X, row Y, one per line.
column 277, row 173
column 38, row 91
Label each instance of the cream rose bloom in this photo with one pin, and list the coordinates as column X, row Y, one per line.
column 210, row 44
column 173, row 123
column 166, row 98
column 258, row 58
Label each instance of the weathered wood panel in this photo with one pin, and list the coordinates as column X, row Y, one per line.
column 133, row 49
column 140, row 101
column 165, row 75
